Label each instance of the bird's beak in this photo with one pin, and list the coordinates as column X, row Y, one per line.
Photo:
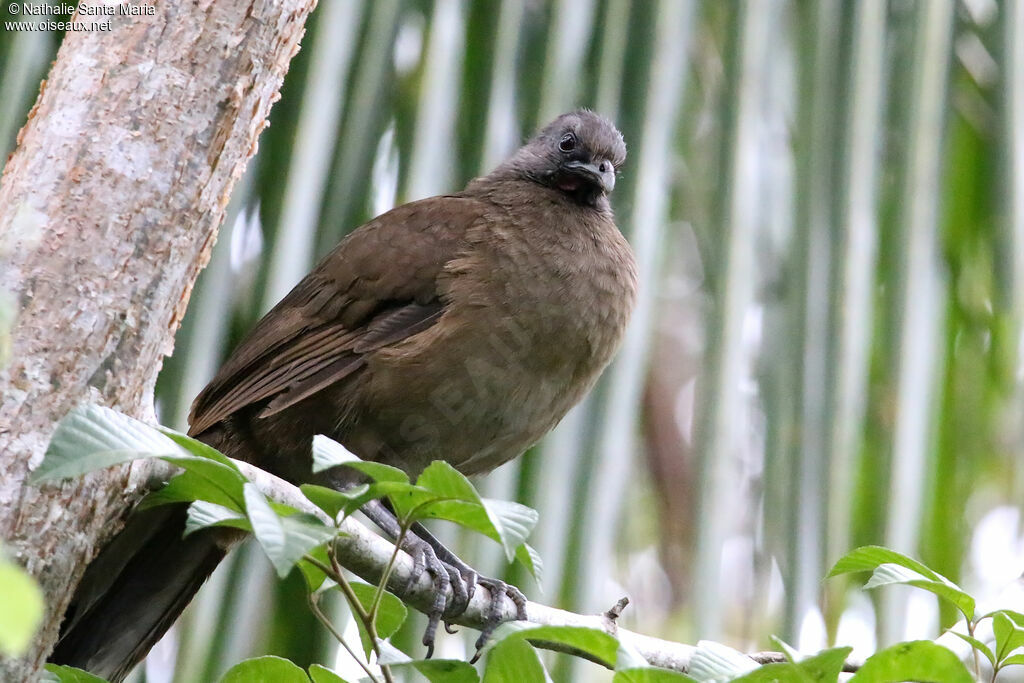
column 600, row 172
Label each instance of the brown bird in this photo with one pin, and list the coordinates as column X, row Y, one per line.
column 458, row 328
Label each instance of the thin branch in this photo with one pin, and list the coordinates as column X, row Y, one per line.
column 315, row 607
column 368, row 555
column 379, row 593
column 367, row 617
column 977, row 659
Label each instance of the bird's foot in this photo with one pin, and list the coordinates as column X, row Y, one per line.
column 463, row 580
column 444, row 576
column 498, row 590
column 468, row 578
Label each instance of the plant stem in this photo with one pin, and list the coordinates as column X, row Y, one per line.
column 315, row 606
column 368, row 619
column 379, row 594
column 977, row 660
column 336, row 573
column 338, row 576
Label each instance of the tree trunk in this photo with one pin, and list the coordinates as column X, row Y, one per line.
column 108, row 210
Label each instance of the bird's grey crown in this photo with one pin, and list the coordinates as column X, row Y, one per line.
column 596, row 134
column 597, row 138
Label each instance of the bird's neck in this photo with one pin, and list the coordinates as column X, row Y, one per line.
column 508, row 186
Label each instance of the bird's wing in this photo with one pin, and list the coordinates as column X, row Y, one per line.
column 378, row 287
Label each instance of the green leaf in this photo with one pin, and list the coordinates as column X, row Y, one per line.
column 187, row 487
column 391, row 613
column 22, row 611
column 977, row 645
column 419, row 504
column 311, row 573
column 440, row 492
column 267, row 669
column 202, row 514
column 198, row 448
column 787, row 672
column 530, row 558
column 334, row 502
column 92, row 437
column 825, row 665
column 1009, row 636
column 404, row 497
column 303, row 533
column 69, row 674
column 1014, row 660
column 284, row 539
column 209, row 475
column 786, row 649
column 328, row 453
column 435, row 670
column 442, row 670
column 226, row 481
column 889, row 574
column 713, row 661
column 505, row 522
column 870, row 557
column 330, row 501
column 513, row 660
column 512, row 521
column 594, row 642
column 917, row 660
column 413, row 503
column 1016, row 617
column 447, row 482
column 267, row 528
column 321, row 674
column 649, row 674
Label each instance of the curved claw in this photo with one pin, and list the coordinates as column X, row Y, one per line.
column 498, row 589
column 441, row 585
column 471, row 578
column 425, row 559
column 460, row 593
column 464, row 580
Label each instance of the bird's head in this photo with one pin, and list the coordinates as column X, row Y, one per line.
column 578, row 154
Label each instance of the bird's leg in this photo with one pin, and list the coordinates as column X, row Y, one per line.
column 467, row 576
column 496, row 587
column 471, row 579
column 424, row 559
column 462, row 578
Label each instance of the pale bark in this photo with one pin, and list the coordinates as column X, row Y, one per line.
column 367, row 555
column 108, row 210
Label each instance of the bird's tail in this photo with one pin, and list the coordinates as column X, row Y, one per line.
column 135, row 589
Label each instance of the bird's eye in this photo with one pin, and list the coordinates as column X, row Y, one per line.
column 567, row 143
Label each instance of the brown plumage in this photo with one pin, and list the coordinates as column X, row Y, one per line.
column 459, row 328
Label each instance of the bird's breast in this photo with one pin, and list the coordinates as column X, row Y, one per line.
column 547, row 300
column 529, row 323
